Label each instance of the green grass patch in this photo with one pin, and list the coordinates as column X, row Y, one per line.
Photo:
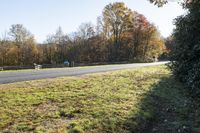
column 123, row 101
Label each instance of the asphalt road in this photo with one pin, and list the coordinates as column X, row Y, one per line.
column 17, row 76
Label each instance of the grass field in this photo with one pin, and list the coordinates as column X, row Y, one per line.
column 137, row 100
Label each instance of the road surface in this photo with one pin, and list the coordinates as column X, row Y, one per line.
column 17, row 76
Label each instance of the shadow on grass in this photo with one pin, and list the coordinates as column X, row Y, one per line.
column 164, row 109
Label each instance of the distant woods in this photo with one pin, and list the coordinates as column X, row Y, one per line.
column 120, row 34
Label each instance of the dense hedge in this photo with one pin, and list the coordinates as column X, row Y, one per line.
column 185, row 57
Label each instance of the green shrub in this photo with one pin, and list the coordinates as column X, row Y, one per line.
column 193, row 79
column 186, row 55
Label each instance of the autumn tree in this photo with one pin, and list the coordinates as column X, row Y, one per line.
column 61, row 42
column 140, row 24
column 57, row 46
column 117, row 20
column 25, row 43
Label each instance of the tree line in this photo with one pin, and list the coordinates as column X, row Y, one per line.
column 120, row 34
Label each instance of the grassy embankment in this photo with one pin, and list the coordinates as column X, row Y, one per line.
column 136, row 100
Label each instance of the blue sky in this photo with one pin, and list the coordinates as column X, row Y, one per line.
column 42, row 17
